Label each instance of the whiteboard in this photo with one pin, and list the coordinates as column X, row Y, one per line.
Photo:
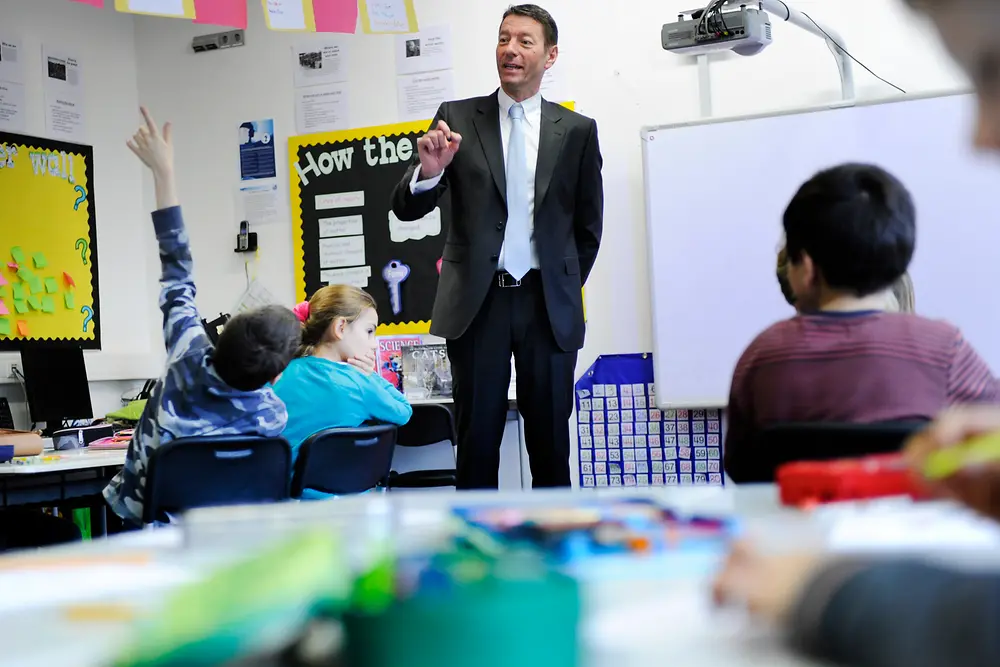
column 715, row 194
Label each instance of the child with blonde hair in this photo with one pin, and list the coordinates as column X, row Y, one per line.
column 333, row 383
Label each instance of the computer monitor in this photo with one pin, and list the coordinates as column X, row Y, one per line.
column 55, row 384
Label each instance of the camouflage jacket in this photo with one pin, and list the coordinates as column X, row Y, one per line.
column 190, row 399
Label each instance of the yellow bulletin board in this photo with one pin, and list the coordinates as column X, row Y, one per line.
column 48, row 244
column 340, row 186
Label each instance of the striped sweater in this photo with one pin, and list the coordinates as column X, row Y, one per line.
column 859, row 367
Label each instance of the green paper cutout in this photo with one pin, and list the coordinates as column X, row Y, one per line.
column 39, row 260
column 24, row 274
column 18, row 291
column 51, row 286
column 17, row 254
column 20, row 307
column 68, row 298
column 35, row 302
column 36, row 285
column 3, row 291
column 48, row 304
column 4, row 327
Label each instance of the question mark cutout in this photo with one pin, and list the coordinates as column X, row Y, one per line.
column 82, row 198
column 89, row 312
column 83, row 253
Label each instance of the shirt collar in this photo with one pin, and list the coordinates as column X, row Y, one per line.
column 531, row 106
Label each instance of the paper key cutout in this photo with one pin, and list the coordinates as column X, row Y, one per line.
column 394, row 273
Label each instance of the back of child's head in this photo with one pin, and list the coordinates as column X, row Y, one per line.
column 254, row 347
column 326, row 306
column 857, row 223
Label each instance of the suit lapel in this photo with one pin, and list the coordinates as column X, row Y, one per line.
column 487, row 122
column 550, row 142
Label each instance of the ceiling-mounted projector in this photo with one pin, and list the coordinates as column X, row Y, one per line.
column 745, row 31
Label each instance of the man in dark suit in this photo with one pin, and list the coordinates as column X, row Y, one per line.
column 527, row 213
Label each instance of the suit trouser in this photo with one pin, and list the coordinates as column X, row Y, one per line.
column 512, row 320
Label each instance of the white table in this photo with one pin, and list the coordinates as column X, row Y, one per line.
column 74, row 475
column 646, row 621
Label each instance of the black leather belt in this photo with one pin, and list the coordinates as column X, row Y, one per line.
column 504, row 279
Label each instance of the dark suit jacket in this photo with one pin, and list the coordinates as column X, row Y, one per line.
column 569, row 211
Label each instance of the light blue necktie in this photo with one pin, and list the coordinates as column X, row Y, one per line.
column 517, row 237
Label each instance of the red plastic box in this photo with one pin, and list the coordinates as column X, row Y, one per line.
column 812, row 482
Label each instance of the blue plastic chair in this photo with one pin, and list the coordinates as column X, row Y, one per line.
column 215, row 470
column 342, row 461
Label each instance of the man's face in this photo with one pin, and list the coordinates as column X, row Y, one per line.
column 971, row 31
column 522, row 56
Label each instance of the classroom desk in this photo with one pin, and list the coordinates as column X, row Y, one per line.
column 76, row 474
column 515, row 472
column 647, row 620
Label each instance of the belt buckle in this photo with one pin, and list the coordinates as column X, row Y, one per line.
column 502, row 280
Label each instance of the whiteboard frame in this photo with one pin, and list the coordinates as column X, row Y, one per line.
column 645, row 136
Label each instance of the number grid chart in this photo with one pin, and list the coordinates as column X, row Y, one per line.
column 624, row 440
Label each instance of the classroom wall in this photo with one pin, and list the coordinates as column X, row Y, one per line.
column 104, row 42
column 615, row 70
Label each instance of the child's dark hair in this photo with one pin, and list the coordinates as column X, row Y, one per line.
column 254, row 347
column 858, row 224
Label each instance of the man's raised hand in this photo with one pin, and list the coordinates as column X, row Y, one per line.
column 436, row 149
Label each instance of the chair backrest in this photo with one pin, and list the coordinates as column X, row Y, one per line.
column 345, row 460
column 215, row 470
column 430, row 423
column 785, row 443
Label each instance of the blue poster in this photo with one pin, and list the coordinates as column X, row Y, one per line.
column 625, row 440
column 257, row 150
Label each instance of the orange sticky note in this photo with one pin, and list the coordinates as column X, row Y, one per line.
column 22, row 328
column 69, row 279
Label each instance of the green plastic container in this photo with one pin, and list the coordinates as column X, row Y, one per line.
column 512, row 612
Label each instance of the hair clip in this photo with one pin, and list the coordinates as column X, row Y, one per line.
column 302, row 311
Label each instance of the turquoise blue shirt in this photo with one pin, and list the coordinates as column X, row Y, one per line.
column 320, row 394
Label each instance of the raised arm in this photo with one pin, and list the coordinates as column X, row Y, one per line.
column 182, row 329
column 588, row 221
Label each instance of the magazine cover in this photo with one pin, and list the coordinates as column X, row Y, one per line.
column 390, row 361
column 426, row 371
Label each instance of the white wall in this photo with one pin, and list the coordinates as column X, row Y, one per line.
column 615, row 68
column 104, row 42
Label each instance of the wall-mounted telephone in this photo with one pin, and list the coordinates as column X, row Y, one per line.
column 246, row 241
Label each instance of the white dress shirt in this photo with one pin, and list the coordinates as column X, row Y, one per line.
column 532, row 131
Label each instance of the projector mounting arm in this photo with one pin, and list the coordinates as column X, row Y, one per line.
column 779, row 9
